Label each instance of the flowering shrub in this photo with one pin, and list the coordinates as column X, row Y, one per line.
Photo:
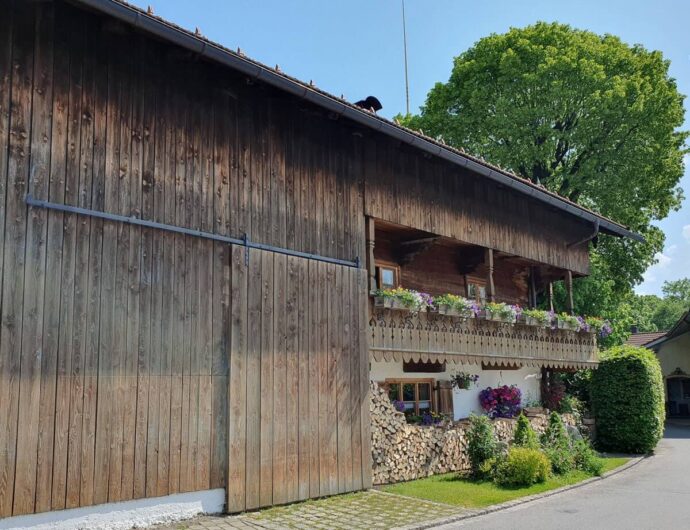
column 463, row 380
column 412, row 300
column 501, row 402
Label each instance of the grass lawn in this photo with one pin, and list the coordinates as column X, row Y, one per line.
column 451, row 489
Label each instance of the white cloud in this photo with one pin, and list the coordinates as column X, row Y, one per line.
column 662, row 260
column 671, row 250
column 686, row 233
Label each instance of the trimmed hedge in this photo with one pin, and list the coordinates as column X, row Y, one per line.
column 628, row 400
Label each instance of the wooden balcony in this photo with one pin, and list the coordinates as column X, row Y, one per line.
column 403, row 336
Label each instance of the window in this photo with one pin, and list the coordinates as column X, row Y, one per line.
column 476, row 291
column 416, row 394
column 388, row 276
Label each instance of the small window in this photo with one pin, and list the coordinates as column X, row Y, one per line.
column 388, row 276
column 416, row 394
column 476, row 292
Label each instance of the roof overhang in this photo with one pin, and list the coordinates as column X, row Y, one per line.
column 680, row 328
column 256, row 71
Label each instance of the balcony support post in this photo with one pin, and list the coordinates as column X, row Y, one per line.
column 371, row 264
column 569, row 292
column 489, row 261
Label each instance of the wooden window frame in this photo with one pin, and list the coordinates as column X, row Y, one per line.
column 409, row 380
column 477, row 282
column 387, row 265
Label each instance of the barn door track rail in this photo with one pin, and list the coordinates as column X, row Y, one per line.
column 244, row 241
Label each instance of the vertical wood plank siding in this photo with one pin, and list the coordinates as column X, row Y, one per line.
column 434, row 196
column 138, row 363
column 271, row 443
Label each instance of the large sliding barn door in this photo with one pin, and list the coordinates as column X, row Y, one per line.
column 299, row 378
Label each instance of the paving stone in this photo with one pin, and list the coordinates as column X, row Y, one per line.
column 366, row 510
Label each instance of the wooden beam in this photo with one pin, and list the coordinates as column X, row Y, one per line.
column 371, row 242
column 569, row 292
column 532, row 288
column 489, row 261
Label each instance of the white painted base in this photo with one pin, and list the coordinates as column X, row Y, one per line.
column 123, row 515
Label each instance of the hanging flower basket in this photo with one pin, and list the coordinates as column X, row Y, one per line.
column 463, row 380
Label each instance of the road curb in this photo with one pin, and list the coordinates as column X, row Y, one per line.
column 469, row 514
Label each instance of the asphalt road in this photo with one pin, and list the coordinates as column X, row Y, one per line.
column 654, row 494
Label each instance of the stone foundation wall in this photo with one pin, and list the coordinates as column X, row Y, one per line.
column 403, row 452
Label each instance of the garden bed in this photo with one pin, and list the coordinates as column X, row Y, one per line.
column 454, row 489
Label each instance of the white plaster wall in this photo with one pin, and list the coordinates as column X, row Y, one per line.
column 675, row 354
column 466, row 401
column 123, row 515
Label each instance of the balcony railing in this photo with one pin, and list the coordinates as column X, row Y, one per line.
column 401, row 335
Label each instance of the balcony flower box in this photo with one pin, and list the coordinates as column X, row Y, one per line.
column 568, row 322
column 499, row 312
column 455, row 306
column 536, row 317
column 402, row 299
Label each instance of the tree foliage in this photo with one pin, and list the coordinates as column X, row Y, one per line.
column 585, row 115
column 628, row 400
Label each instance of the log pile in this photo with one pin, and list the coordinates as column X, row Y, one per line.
column 403, row 452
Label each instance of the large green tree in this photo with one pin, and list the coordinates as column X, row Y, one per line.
column 585, row 115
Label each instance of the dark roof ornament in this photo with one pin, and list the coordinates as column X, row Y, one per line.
column 370, row 103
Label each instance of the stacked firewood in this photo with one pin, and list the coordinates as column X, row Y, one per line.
column 403, row 452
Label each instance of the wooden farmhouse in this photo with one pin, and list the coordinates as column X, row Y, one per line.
column 191, row 243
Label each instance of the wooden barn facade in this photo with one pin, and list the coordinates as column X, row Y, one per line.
column 190, row 240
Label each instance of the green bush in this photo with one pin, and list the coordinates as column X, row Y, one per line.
column 628, row 400
column 562, row 459
column 586, row 458
column 524, row 434
column 481, row 444
column 555, row 434
column 557, row 445
column 522, row 467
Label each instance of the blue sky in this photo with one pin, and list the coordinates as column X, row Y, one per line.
column 355, row 48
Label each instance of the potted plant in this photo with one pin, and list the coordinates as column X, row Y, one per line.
column 532, row 406
column 537, row 317
column 463, row 380
column 569, row 322
column 399, row 298
column 453, row 305
column 500, row 312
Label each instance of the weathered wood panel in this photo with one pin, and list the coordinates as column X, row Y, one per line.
column 432, row 195
column 285, row 359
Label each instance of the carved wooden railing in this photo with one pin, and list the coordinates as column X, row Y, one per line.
column 401, row 335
